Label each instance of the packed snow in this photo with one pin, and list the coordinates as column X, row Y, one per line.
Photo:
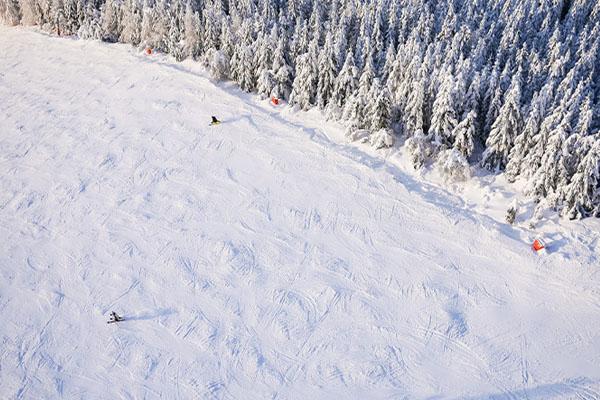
column 261, row 258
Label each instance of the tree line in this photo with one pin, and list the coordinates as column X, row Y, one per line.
column 510, row 85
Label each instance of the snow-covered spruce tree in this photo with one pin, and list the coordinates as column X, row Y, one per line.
column 132, row 22
column 305, row 84
column 345, row 85
column 56, row 17
column 417, row 143
column 388, row 64
column 71, row 17
column 511, row 213
column 443, row 118
column 354, row 112
column 282, row 72
column 539, row 142
column 552, row 175
column 493, row 100
column 523, row 141
column 242, row 61
column 505, row 129
column 10, row 12
column 191, row 32
column 366, row 79
column 464, row 135
column 90, row 28
column 327, row 70
column 453, row 166
column 227, row 41
column 582, row 195
column 266, row 83
column 263, row 56
column 160, row 25
column 300, row 39
column 378, row 116
column 111, row 21
column 341, row 36
column 147, row 34
column 378, row 111
column 31, row 12
column 174, row 42
column 213, row 20
column 586, row 118
column 246, row 78
column 217, row 63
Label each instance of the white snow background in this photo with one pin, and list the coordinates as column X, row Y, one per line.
column 264, row 258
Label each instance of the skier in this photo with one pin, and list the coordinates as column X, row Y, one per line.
column 114, row 317
column 215, row 121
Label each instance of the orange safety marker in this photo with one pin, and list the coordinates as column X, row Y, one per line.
column 538, row 245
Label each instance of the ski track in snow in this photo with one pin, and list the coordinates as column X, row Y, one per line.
column 256, row 259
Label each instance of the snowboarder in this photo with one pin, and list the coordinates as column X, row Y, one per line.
column 114, row 317
column 215, row 121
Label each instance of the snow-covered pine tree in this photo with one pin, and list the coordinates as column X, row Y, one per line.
column 523, row 141
column 246, row 77
column 443, row 118
column 90, row 28
column 366, row 79
column 263, row 57
column 10, row 12
column 111, row 21
column 266, row 83
column 417, row 144
column 378, row 111
column 213, row 20
column 327, row 71
column 413, row 115
column 161, row 23
column 282, row 72
column 56, row 17
column 586, row 118
column 191, row 32
column 175, row 41
column 31, row 12
column 341, row 39
column 72, row 18
column 505, row 129
column 300, row 40
column 582, row 195
column 346, row 83
column 305, row 84
column 147, row 34
column 132, row 22
column 464, row 134
column 553, row 175
column 377, row 114
column 388, row 65
column 492, row 102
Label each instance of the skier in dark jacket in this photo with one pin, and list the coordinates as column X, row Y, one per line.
column 114, row 317
column 215, row 121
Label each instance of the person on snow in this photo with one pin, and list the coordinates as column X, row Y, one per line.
column 215, row 121
column 114, row 317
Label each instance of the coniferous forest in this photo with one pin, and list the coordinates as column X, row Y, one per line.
column 510, row 85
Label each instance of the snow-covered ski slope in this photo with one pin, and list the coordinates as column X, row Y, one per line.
column 257, row 259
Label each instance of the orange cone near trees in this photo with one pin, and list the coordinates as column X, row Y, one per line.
column 538, row 245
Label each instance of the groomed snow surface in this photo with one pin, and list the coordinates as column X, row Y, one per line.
column 263, row 258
